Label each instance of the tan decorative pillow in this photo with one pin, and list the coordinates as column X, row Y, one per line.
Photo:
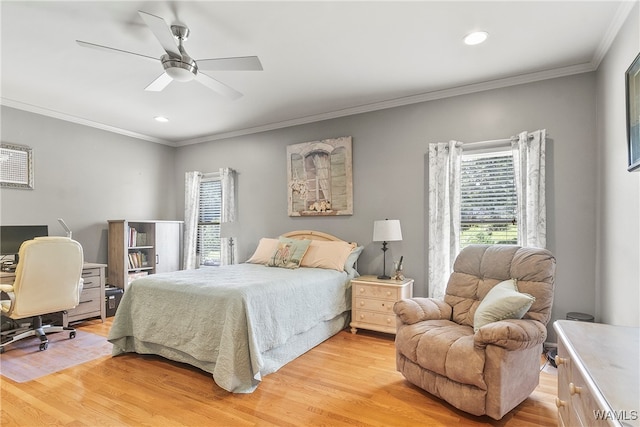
column 331, row 255
column 289, row 253
column 264, row 251
column 503, row 301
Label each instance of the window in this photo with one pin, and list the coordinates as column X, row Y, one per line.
column 488, row 200
column 209, row 218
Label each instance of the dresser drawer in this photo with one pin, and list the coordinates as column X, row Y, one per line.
column 89, row 302
column 373, row 318
column 91, row 282
column 584, row 403
column 382, row 306
column 385, row 292
column 89, row 272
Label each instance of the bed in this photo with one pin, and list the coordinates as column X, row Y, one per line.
column 240, row 322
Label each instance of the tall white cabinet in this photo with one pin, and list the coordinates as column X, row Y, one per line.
column 142, row 247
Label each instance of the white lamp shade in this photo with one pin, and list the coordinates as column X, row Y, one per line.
column 387, row 230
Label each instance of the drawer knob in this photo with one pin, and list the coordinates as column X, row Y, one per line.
column 388, row 320
column 573, row 389
column 560, row 360
column 388, row 293
column 560, row 403
column 362, row 316
column 362, row 290
column 361, row 303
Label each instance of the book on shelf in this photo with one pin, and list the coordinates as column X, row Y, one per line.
column 133, row 236
column 138, row 260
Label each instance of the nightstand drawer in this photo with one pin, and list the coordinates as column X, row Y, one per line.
column 373, row 318
column 374, row 291
column 381, row 306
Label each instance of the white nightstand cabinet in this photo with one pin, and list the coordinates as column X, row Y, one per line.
column 372, row 302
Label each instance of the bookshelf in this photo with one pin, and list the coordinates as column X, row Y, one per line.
column 140, row 248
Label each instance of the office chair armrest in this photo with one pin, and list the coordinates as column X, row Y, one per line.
column 511, row 334
column 7, row 309
column 6, row 288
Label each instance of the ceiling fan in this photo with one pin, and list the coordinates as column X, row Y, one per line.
column 178, row 65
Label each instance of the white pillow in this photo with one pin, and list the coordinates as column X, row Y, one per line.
column 503, row 301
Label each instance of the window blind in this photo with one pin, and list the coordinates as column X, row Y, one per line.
column 209, row 216
column 488, row 200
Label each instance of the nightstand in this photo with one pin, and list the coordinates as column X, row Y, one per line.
column 372, row 302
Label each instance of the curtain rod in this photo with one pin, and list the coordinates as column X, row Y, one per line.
column 490, row 142
column 497, row 142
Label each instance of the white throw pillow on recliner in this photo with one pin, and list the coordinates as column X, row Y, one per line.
column 503, row 301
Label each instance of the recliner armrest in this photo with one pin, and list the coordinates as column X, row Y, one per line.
column 415, row 310
column 511, row 334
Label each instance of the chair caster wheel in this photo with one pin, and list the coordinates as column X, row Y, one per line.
column 44, row 346
column 72, row 335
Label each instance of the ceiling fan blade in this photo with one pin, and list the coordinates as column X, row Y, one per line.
column 161, row 30
column 160, row 83
column 239, row 63
column 111, row 49
column 218, row 86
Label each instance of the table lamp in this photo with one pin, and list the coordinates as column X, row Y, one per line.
column 229, row 230
column 387, row 230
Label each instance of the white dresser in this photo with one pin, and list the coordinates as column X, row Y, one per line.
column 598, row 374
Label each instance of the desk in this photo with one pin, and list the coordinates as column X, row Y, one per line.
column 92, row 296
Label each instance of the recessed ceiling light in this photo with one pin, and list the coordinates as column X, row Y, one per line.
column 476, row 37
column 161, row 119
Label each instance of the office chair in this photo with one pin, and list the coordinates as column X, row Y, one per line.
column 48, row 280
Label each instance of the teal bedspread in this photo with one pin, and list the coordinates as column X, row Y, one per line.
column 237, row 322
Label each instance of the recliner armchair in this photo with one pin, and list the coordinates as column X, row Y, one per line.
column 490, row 370
column 48, row 279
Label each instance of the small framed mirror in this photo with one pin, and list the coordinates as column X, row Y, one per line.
column 16, row 166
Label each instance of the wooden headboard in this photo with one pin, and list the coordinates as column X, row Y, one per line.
column 311, row 235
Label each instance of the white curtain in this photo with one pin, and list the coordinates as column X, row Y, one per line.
column 191, row 204
column 529, row 168
column 228, row 178
column 444, row 213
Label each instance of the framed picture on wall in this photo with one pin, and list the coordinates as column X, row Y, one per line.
column 632, row 77
column 319, row 177
column 16, row 166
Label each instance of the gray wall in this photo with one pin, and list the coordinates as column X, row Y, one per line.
column 618, row 259
column 86, row 176
column 389, row 150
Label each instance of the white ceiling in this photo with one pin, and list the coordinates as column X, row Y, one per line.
column 321, row 59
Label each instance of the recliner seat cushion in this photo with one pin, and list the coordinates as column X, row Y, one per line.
column 445, row 348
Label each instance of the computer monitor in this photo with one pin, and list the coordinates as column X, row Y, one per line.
column 12, row 236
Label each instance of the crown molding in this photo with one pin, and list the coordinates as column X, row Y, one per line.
column 621, row 15
column 365, row 108
column 81, row 121
column 398, row 102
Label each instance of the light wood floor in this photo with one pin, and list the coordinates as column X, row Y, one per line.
column 347, row 380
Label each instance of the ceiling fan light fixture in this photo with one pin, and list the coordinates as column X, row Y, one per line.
column 161, row 119
column 180, row 74
column 475, row 38
column 180, row 69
